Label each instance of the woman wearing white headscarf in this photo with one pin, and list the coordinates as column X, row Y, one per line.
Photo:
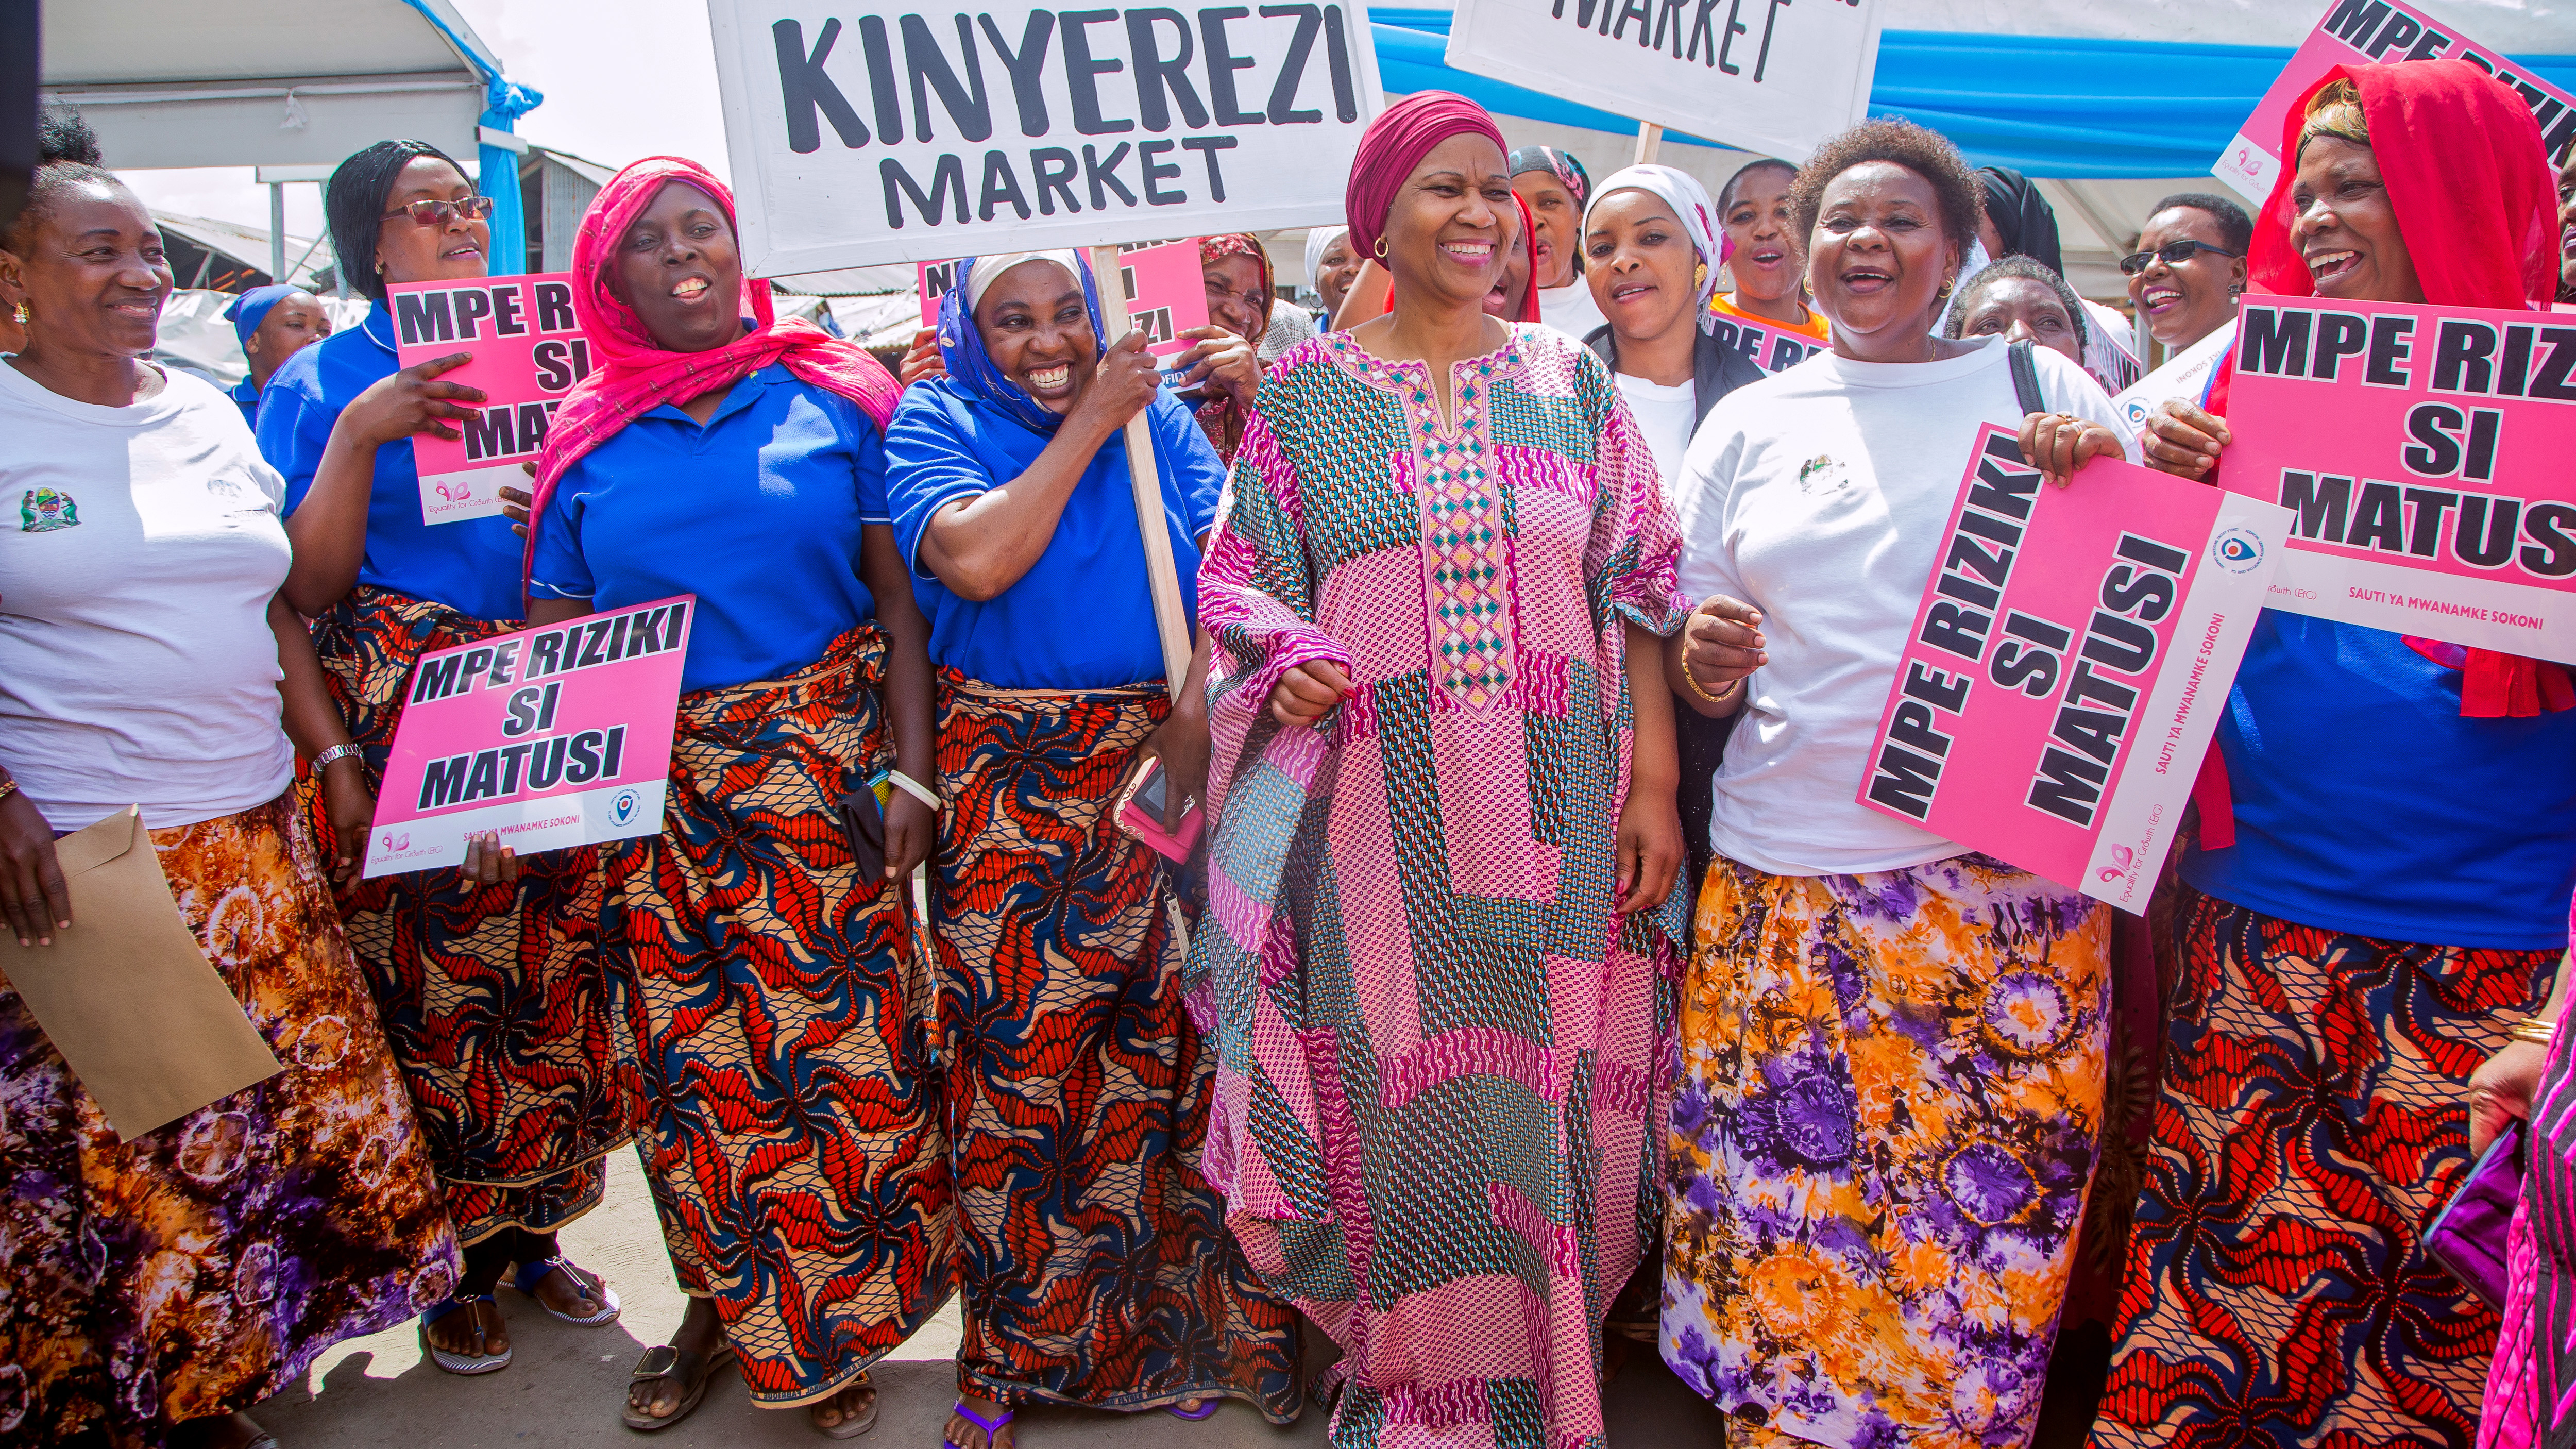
column 1331, row 263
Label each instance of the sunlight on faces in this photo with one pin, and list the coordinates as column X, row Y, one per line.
column 2183, row 304
column 1553, row 211
column 1341, row 267
column 93, row 276
column 1639, row 261
column 2018, row 309
column 1764, row 260
column 1034, row 324
column 2345, row 228
column 1229, row 280
column 1877, row 259
column 679, row 268
column 1448, row 229
column 410, row 252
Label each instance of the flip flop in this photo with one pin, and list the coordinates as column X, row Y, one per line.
column 1206, row 1410
column 853, row 1428
column 468, row 1364
column 990, row 1427
column 662, row 1361
column 532, row 1274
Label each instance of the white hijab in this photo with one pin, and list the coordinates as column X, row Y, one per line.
column 1689, row 200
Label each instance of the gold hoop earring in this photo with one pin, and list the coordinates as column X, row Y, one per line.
column 20, row 314
column 1381, row 249
column 1944, row 294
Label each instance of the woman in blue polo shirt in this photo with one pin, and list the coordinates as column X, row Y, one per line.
column 795, row 1155
column 1078, row 1087
column 488, row 980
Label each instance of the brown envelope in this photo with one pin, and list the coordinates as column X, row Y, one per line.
column 125, row 994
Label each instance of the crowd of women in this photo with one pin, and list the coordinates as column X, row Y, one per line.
column 1538, row 969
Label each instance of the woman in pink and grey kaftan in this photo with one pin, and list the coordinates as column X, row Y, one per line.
column 1437, row 1039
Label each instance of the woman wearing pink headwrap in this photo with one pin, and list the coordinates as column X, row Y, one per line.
column 779, row 1011
column 1443, row 786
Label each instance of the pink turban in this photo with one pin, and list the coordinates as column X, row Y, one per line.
column 1396, row 142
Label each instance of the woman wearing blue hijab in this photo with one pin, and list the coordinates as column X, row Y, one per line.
column 273, row 324
column 1077, row 1090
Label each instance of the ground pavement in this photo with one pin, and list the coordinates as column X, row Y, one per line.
column 565, row 1385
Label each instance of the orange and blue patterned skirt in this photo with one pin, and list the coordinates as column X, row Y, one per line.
column 780, row 1010
column 200, row 1268
column 494, row 997
column 1092, row 1253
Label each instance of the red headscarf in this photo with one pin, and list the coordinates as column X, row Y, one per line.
column 1218, row 417
column 631, row 374
column 1396, row 142
column 2471, row 185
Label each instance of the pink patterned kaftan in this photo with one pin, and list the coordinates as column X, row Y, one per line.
column 1437, row 1044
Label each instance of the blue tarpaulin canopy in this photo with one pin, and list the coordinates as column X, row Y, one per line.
column 2047, row 105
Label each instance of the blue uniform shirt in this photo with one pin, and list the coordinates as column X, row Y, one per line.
column 245, row 395
column 2365, row 803
column 758, row 514
column 472, row 566
column 1082, row 617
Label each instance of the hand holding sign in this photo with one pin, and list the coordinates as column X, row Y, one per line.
column 1216, row 358
column 2183, row 438
column 411, row 403
column 1121, row 385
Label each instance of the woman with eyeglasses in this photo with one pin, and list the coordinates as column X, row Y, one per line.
column 488, row 977
column 2185, row 279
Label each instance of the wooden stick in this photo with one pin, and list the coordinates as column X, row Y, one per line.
column 1650, row 141
column 1162, row 575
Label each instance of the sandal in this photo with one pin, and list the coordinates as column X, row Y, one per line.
column 867, row 1419
column 990, row 1427
column 469, row 1364
column 532, row 1274
column 1206, row 1410
column 662, row 1361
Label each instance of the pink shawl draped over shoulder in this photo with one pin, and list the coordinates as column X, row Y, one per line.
column 632, row 374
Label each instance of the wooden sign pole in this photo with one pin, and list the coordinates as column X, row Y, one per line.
column 1171, row 621
column 1650, row 141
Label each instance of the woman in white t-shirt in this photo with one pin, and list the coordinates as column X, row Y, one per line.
column 1892, row 1048
column 145, row 658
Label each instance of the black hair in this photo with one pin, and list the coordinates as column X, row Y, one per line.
column 2235, row 228
column 2028, row 269
column 1927, row 154
column 353, row 203
column 67, row 155
column 1726, row 193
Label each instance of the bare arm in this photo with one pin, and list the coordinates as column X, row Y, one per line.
column 1707, row 661
column 2501, row 1092
column 542, row 612
column 912, row 831
column 329, row 527
column 1650, row 826
column 313, row 722
column 1367, row 297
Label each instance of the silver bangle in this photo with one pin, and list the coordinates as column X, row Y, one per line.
column 337, row 753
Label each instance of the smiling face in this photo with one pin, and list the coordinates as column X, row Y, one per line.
column 1556, row 216
column 409, row 252
column 678, row 268
column 1341, row 267
column 2345, row 228
column 1759, row 223
column 1639, row 261
column 1508, row 293
column 2019, row 309
column 93, row 276
column 1230, row 279
column 1877, row 261
column 1039, row 334
column 2185, row 302
column 295, row 323
column 1448, row 230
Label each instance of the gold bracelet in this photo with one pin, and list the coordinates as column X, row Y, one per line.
column 2533, row 1030
column 1722, row 696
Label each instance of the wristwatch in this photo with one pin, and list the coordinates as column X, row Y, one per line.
column 336, row 753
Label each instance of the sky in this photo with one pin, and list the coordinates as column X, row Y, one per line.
column 623, row 79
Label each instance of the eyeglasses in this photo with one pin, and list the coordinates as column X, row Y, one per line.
column 2173, row 253
column 440, row 213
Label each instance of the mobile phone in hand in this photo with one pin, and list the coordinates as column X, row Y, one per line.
column 1140, row 813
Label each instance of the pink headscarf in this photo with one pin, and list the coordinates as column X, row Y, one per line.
column 632, row 375
column 1396, row 142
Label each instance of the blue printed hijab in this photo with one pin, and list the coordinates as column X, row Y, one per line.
column 961, row 344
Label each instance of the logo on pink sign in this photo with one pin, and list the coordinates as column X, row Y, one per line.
column 553, row 737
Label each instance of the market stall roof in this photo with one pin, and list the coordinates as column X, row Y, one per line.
column 226, row 256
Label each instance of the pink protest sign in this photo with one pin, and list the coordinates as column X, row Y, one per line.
column 554, row 737
column 2357, row 32
column 1165, row 292
column 2425, row 452
column 528, row 352
column 2068, row 666
column 1773, row 349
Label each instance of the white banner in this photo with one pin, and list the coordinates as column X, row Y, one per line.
column 870, row 134
column 1765, row 75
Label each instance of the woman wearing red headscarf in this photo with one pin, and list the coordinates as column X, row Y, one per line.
column 2379, row 888
column 795, row 1154
column 1443, row 789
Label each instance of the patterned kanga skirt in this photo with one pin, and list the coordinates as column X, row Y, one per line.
column 202, row 1268
column 493, row 997
column 2310, row 1125
column 1891, row 1088
column 780, row 1011
column 1092, row 1253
